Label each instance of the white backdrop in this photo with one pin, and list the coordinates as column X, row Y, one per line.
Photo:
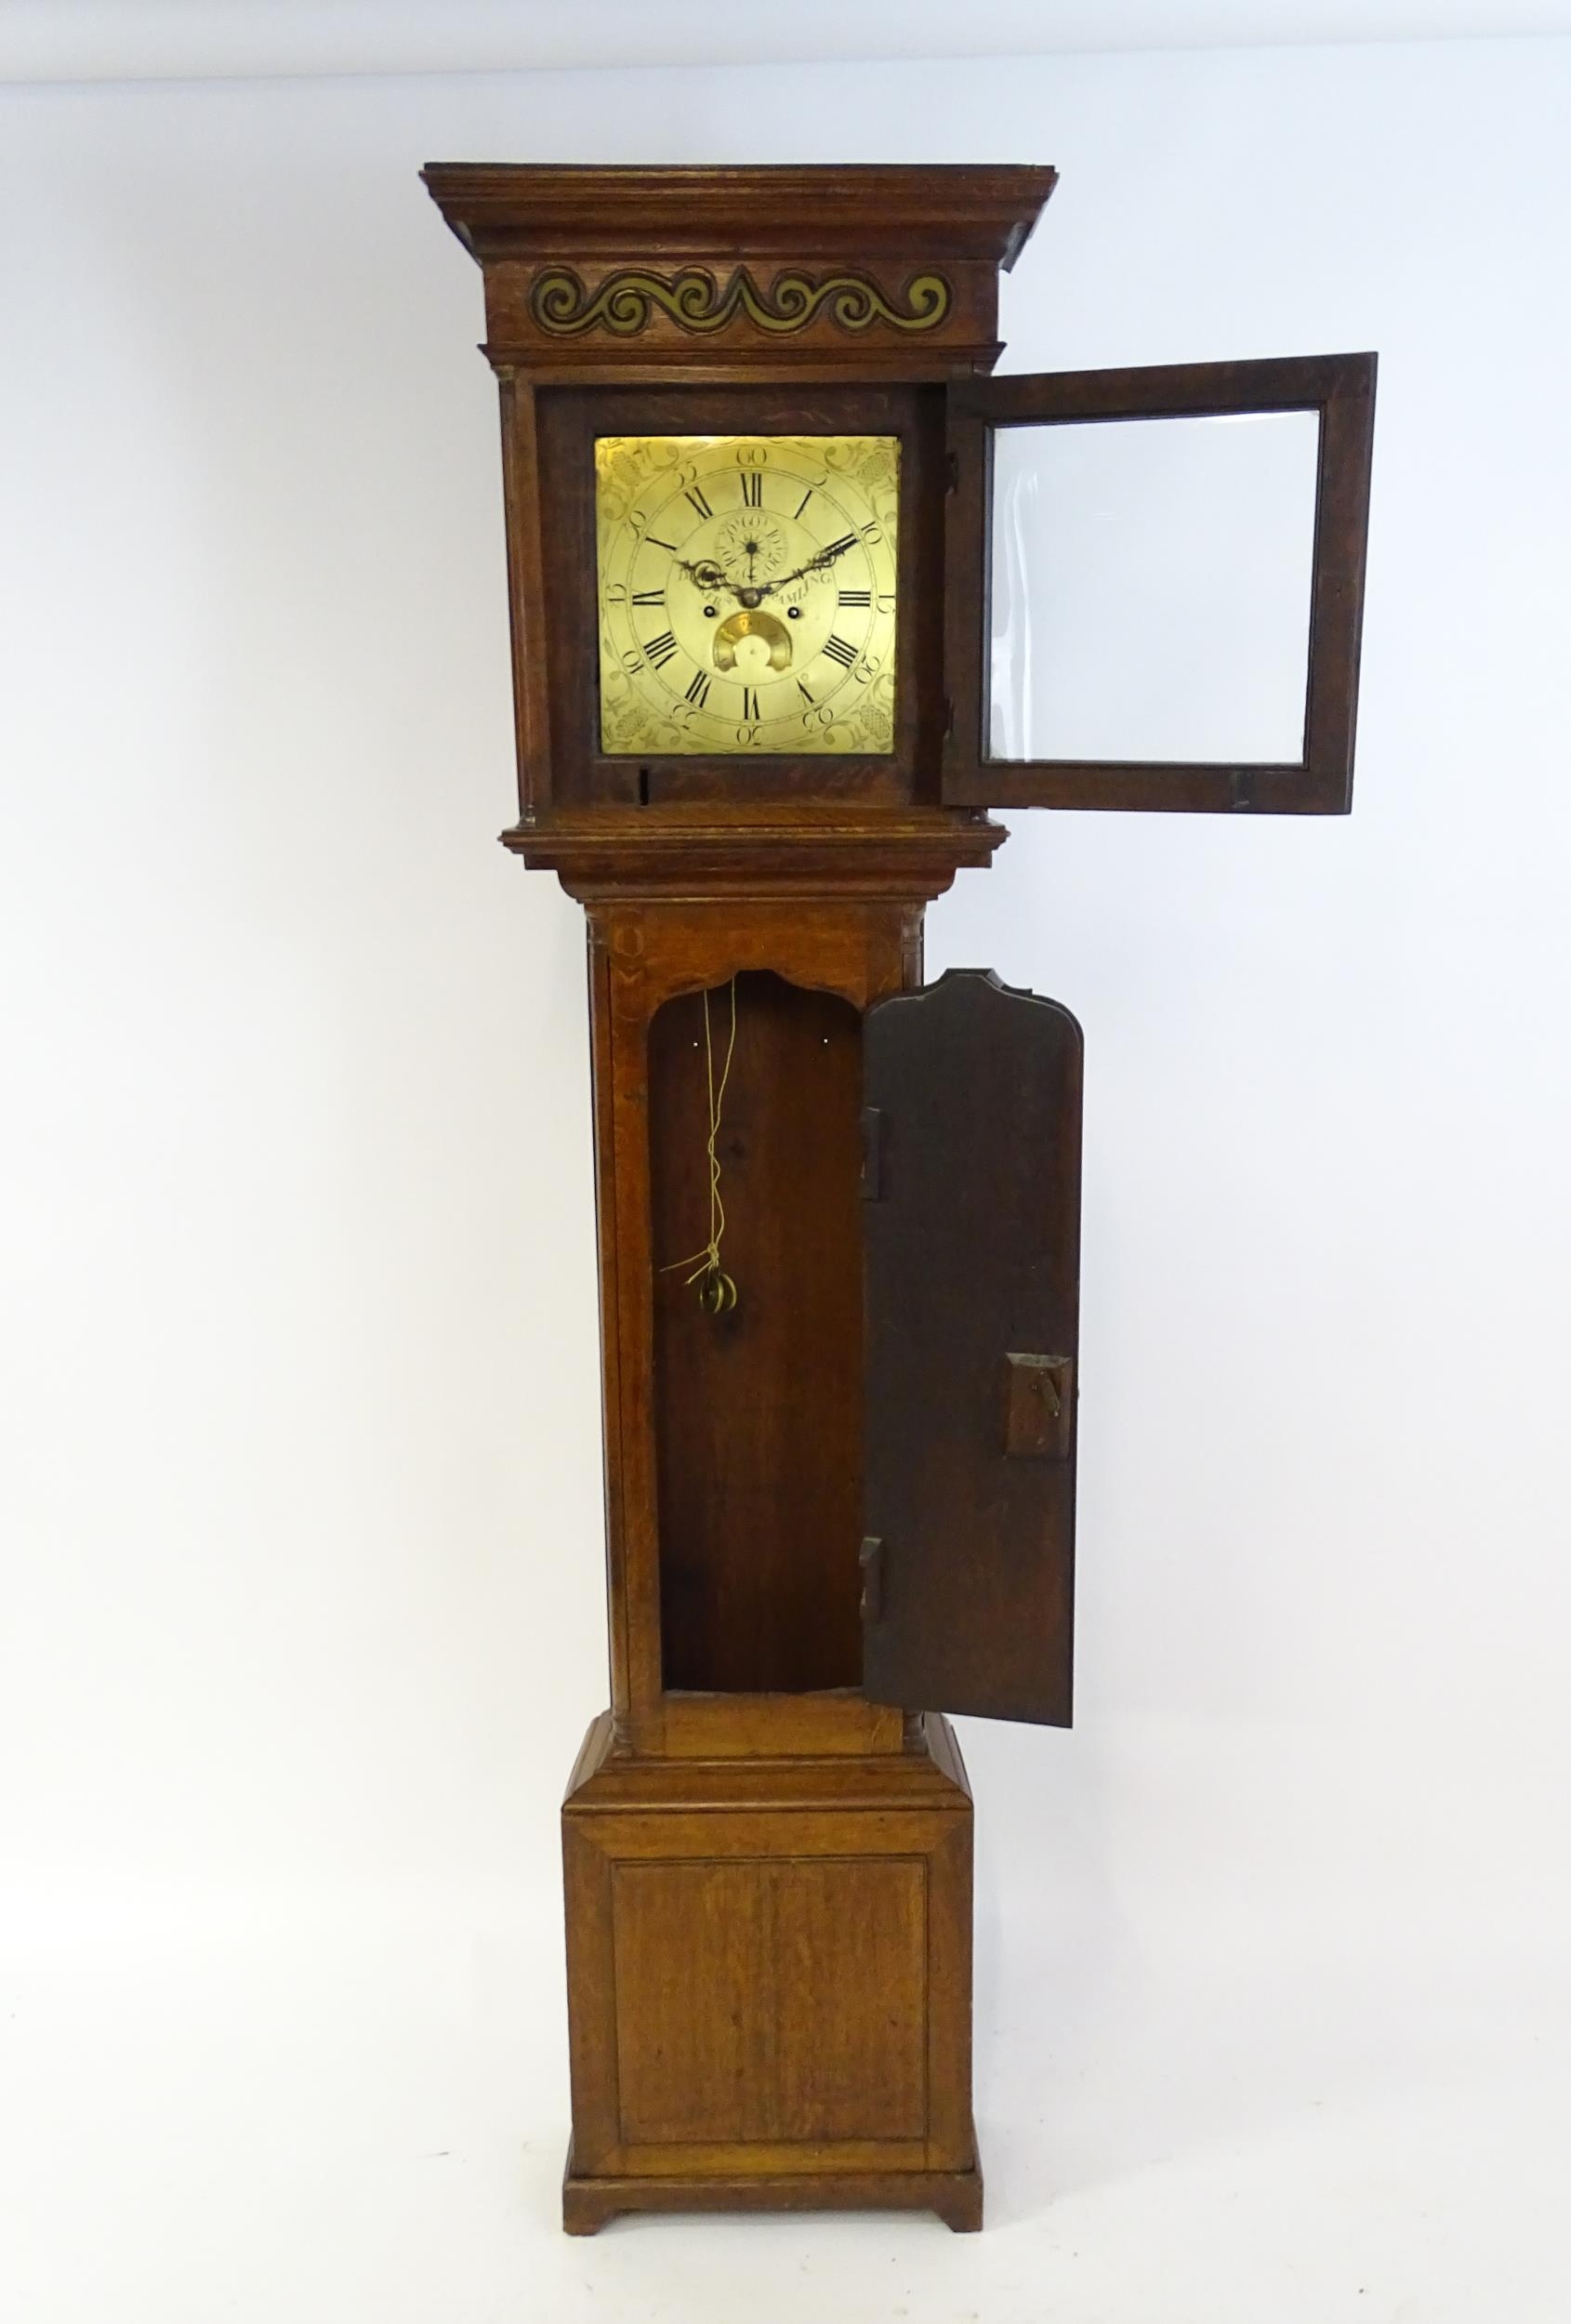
column 302, row 1601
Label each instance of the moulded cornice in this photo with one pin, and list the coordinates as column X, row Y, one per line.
column 959, row 211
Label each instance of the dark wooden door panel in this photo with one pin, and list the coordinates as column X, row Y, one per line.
column 973, row 1327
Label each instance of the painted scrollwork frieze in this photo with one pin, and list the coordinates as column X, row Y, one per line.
column 629, row 299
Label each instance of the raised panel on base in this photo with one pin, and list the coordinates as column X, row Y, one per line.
column 771, row 2001
column 850, row 1943
column 688, row 1938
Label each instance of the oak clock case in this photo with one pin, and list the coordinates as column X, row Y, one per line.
column 798, row 590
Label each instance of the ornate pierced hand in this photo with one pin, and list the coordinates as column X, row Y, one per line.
column 814, row 564
column 706, row 575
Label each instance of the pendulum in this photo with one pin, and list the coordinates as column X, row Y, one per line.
column 717, row 1292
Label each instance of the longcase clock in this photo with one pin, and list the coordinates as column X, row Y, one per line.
column 799, row 591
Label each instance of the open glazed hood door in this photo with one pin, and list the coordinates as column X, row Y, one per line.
column 1155, row 585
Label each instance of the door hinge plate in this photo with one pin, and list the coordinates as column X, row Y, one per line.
column 872, row 1562
column 872, row 1153
column 1039, row 1406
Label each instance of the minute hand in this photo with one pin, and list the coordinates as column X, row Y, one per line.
column 814, row 564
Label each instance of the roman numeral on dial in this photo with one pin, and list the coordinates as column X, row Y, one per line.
column 837, row 549
column 752, row 488
column 749, row 702
column 698, row 693
column 848, row 597
column 837, row 650
column 696, row 493
column 649, row 597
column 661, row 649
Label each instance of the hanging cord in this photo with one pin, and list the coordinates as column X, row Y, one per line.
column 717, row 1292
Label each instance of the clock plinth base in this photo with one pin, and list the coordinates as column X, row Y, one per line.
column 589, row 2203
column 768, row 1981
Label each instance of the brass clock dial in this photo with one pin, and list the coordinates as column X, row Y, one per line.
column 746, row 593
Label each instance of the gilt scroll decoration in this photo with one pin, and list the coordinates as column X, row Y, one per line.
column 627, row 300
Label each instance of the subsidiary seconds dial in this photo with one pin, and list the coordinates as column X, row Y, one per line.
column 746, row 593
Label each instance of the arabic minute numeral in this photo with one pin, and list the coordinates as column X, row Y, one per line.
column 837, row 650
column 848, row 597
column 698, row 693
column 661, row 649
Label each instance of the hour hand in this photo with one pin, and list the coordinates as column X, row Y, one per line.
column 704, row 574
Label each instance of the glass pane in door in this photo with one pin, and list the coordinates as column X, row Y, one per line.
column 1151, row 589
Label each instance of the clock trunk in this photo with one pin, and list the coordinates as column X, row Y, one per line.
column 758, row 1409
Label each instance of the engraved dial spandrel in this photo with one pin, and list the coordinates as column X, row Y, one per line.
column 746, row 594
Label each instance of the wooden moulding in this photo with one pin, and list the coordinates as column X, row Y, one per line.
column 964, row 208
column 601, row 854
column 957, row 2196
column 769, row 1970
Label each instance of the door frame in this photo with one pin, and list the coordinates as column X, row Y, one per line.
column 1341, row 389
